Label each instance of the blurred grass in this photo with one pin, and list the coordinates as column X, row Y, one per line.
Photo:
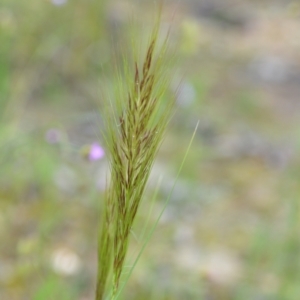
column 231, row 228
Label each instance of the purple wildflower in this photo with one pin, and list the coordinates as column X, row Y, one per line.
column 53, row 136
column 96, row 152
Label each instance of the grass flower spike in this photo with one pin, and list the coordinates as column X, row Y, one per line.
column 135, row 126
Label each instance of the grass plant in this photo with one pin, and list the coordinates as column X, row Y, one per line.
column 238, row 191
column 134, row 126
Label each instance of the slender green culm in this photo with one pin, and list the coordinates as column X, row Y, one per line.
column 134, row 128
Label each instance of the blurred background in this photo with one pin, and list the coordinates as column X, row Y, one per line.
column 231, row 229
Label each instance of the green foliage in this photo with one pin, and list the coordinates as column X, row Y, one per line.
column 52, row 288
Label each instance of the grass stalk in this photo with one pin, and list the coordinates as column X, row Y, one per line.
column 134, row 129
column 150, row 233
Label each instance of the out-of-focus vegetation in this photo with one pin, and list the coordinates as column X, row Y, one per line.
column 231, row 230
